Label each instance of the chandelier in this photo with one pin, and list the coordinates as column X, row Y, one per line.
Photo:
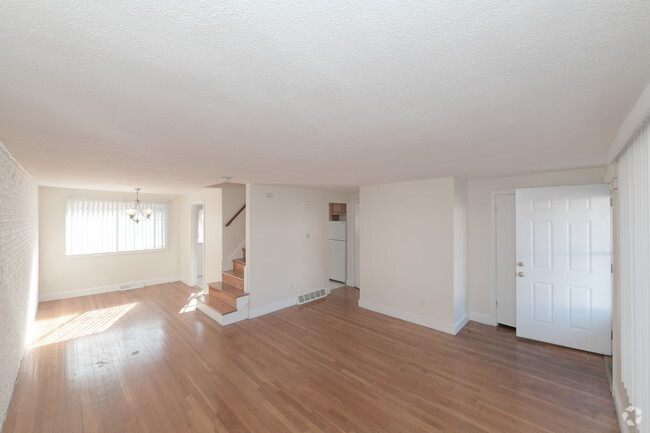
column 136, row 213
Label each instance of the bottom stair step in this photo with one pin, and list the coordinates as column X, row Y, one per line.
column 224, row 313
column 217, row 304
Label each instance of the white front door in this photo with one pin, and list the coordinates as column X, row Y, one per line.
column 564, row 284
column 505, row 259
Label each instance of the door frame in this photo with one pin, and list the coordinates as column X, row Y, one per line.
column 357, row 273
column 493, row 248
column 352, row 240
column 192, row 241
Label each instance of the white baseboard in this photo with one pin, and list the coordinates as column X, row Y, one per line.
column 104, row 289
column 485, row 319
column 621, row 405
column 460, row 323
column 438, row 325
column 266, row 309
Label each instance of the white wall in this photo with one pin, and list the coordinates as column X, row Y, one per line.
column 212, row 220
column 63, row 277
column 18, row 269
column 461, row 302
column 233, row 198
column 408, row 251
column 480, row 224
column 282, row 262
column 350, row 253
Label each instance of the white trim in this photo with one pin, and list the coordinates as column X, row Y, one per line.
column 270, row 308
column 460, row 323
column 637, row 115
column 438, row 325
column 620, row 405
column 493, row 248
column 118, row 253
column 226, row 264
column 485, row 319
column 45, row 297
column 193, row 281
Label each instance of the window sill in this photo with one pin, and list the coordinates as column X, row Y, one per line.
column 118, row 253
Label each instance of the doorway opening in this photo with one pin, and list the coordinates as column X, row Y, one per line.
column 504, row 217
column 197, row 236
column 552, row 264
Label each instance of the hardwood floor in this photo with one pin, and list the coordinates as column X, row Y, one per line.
column 143, row 361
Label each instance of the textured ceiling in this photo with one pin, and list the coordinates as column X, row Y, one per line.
column 170, row 95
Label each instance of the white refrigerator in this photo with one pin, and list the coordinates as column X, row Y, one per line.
column 337, row 236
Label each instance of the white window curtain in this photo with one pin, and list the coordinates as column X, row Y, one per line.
column 97, row 226
column 634, row 238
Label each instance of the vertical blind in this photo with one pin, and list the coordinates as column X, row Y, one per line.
column 96, row 226
column 634, row 236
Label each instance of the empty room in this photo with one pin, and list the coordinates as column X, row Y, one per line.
column 354, row 216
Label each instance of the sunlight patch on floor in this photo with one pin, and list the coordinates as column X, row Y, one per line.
column 74, row 326
column 191, row 303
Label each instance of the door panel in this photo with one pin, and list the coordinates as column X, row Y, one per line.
column 564, row 293
column 541, row 240
column 542, row 302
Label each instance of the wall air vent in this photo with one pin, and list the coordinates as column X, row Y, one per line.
column 308, row 297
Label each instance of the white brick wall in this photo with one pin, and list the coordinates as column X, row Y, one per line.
column 18, row 269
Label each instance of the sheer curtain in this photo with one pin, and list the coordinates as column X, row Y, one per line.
column 96, row 226
column 634, row 236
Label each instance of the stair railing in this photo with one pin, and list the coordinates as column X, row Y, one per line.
column 236, row 215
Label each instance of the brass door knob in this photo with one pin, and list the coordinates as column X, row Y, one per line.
column 521, row 274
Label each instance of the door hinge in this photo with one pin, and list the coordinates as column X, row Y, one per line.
column 497, row 303
column 611, row 267
column 611, row 202
column 612, row 333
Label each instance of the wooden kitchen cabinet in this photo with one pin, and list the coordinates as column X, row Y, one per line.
column 337, row 210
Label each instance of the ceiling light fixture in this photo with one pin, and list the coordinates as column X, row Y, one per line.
column 136, row 213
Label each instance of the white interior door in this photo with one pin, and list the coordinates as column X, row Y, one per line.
column 564, row 285
column 505, row 260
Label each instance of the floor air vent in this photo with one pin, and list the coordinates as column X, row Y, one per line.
column 307, row 297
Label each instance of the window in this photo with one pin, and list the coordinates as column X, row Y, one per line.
column 199, row 227
column 97, row 226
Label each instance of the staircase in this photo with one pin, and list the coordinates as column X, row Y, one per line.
column 227, row 302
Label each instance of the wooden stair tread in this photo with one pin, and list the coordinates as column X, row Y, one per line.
column 235, row 274
column 217, row 304
column 242, row 261
column 232, row 291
